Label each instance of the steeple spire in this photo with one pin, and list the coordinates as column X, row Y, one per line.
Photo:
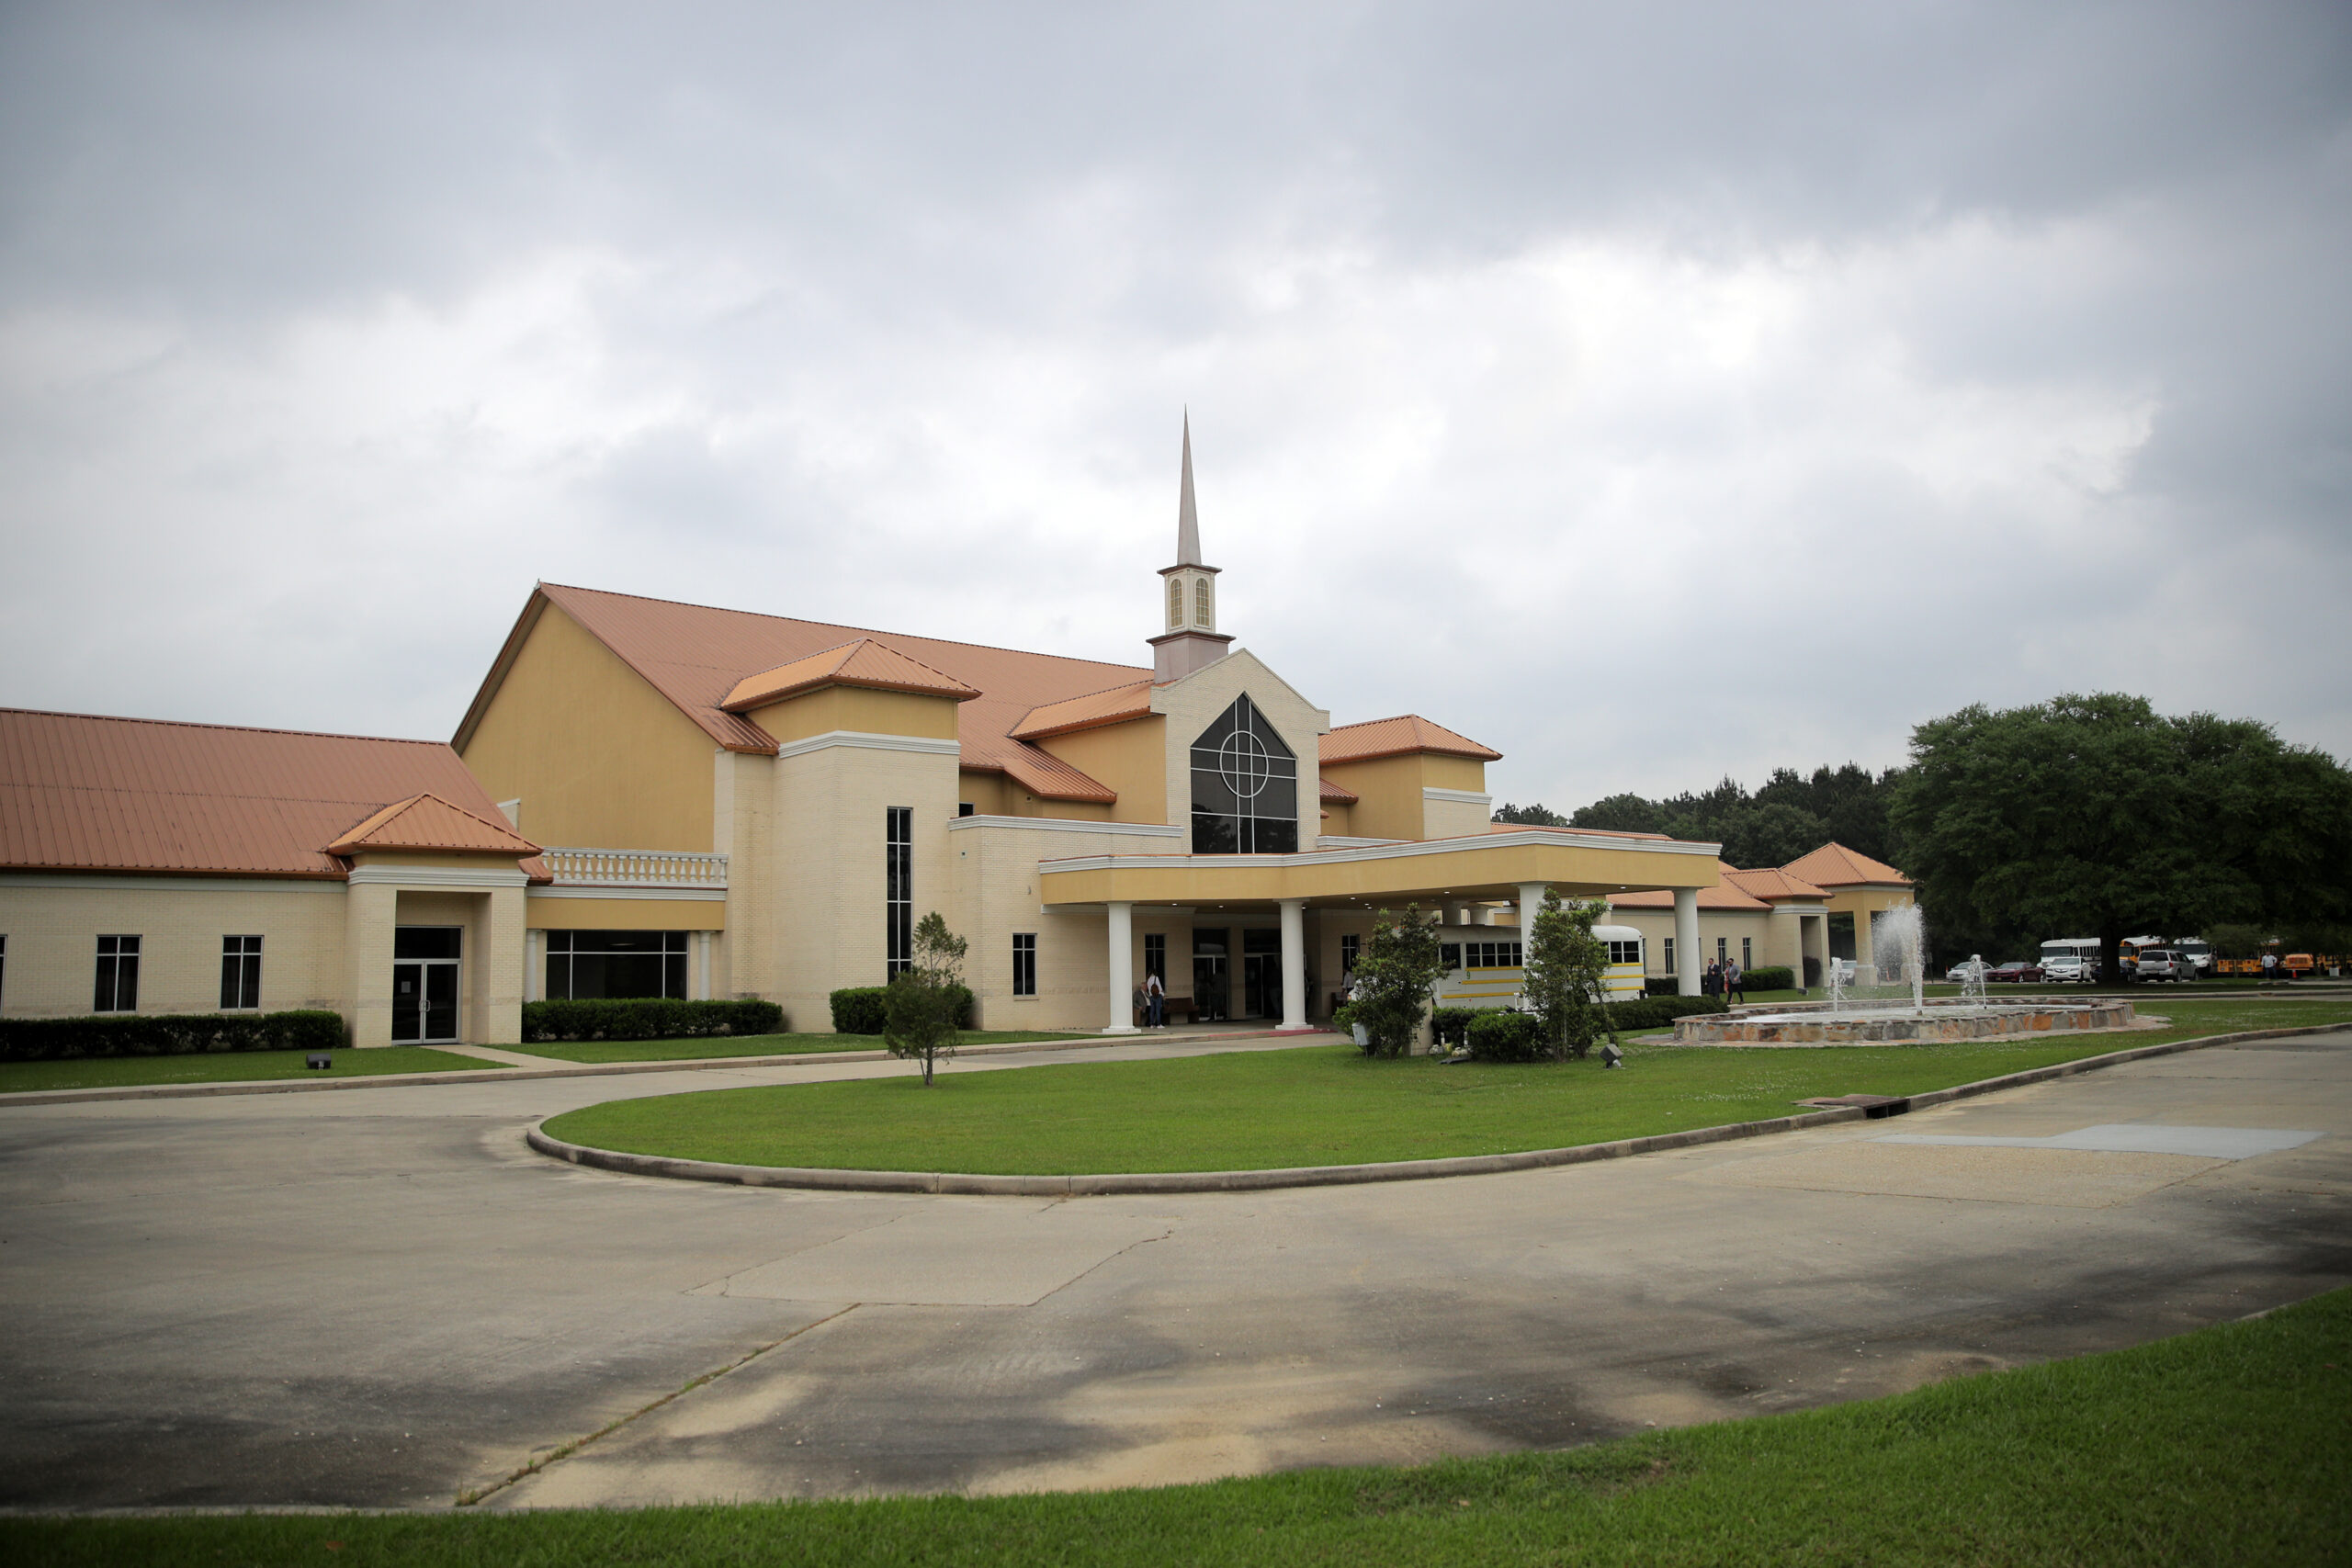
column 1188, row 591
column 1188, row 519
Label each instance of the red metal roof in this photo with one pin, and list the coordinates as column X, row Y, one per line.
column 429, row 822
column 79, row 792
column 1834, row 866
column 865, row 662
column 1395, row 737
column 696, row 655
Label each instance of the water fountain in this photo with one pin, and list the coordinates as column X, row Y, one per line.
column 1900, row 1012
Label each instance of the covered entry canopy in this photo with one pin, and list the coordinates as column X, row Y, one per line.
column 1479, row 867
column 1518, row 865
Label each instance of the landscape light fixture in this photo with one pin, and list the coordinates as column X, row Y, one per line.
column 1612, row 1058
column 318, row 1059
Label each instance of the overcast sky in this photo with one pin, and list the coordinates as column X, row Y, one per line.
column 1653, row 392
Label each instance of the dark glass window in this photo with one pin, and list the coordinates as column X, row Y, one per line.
column 1625, row 952
column 1748, row 953
column 1245, row 787
column 965, row 808
column 425, row 941
column 1669, row 955
column 1025, row 963
column 1349, row 946
column 899, row 910
column 1155, row 956
column 599, row 966
column 117, row 988
column 1490, row 955
column 240, row 972
column 1450, row 955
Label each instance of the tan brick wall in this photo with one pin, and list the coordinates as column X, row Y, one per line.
column 52, row 933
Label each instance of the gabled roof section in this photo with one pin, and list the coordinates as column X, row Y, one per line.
column 1397, row 737
column 79, row 792
column 1092, row 711
column 429, row 822
column 875, row 666
column 696, row 656
column 1772, row 887
column 1834, row 866
column 1726, row 897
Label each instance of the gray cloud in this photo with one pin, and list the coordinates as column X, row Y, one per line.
column 1722, row 387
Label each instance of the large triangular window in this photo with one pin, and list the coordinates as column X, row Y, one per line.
column 1245, row 787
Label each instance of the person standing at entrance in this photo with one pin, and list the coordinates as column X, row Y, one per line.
column 1154, row 1002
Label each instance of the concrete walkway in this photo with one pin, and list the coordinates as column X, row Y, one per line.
column 381, row 1297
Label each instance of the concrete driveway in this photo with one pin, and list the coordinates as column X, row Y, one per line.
column 381, row 1297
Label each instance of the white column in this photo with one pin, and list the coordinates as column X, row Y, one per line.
column 1687, row 965
column 1458, row 913
column 702, row 967
column 1530, row 901
column 1123, row 968
column 1294, row 964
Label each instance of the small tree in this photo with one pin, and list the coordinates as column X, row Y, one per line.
column 923, row 1000
column 1394, row 972
column 1567, row 975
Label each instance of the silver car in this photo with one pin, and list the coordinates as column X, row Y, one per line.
column 2163, row 964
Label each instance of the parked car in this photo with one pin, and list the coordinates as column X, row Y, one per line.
column 2019, row 974
column 2164, row 964
column 2070, row 971
column 1959, row 973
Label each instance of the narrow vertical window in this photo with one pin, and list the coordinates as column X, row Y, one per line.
column 1155, row 956
column 1722, row 948
column 3, row 968
column 1175, row 604
column 899, row 911
column 117, row 988
column 1025, row 963
column 1351, row 945
column 1748, row 953
column 1669, row 955
column 240, row 972
column 1200, row 616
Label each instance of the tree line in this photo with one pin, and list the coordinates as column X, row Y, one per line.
column 2083, row 815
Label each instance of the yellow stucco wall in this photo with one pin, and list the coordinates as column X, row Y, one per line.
column 598, row 756
column 855, row 709
column 987, row 791
column 1390, row 804
column 1131, row 758
column 1459, row 869
column 52, row 926
column 561, row 914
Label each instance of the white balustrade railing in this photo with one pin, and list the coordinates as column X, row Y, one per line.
column 634, row 868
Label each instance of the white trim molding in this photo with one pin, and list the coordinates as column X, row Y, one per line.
column 421, row 877
column 1339, row 841
column 1530, row 838
column 635, row 895
column 584, row 866
column 1068, row 825
column 131, row 883
column 1463, row 796
column 863, row 739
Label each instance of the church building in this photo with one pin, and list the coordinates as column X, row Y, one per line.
column 661, row 798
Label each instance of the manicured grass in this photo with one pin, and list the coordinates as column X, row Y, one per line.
column 1310, row 1106
column 226, row 1066
column 748, row 1045
column 2228, row 1446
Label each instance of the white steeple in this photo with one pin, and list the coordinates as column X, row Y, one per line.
column 1188, row 590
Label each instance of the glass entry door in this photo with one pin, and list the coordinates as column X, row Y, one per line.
column 1262, row 973
column 1208, row 976
column 424, row 984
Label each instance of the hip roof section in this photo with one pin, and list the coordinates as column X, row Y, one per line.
column 1395, row 737
column 81, row 791
column 1834, row 866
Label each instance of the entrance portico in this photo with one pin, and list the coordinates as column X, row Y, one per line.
column 1514, row 868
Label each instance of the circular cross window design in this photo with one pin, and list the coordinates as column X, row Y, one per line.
column 1244, row 765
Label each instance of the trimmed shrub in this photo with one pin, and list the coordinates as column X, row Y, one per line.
column 866, row 1009
column 1504, row 1034
column 1452, row 1025
column 167, row 1035
column 1659, row 984
column 647, row 1018
column 1780, row 977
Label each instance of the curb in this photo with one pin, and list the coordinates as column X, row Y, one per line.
column 969, row 1184
column 491, row 1072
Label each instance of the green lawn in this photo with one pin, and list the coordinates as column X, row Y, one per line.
column 1324, row 1105
column 748, row 1045
column 226, row 1066
column 2229, row 1446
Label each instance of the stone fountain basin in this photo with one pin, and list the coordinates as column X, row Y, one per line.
column 1877, row 1025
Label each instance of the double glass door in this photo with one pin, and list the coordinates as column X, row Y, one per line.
column 424, row 984
column 1262, row 973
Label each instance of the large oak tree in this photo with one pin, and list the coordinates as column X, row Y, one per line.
column 2098, row 815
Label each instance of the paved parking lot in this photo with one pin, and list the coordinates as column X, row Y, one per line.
column 381, row 1297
